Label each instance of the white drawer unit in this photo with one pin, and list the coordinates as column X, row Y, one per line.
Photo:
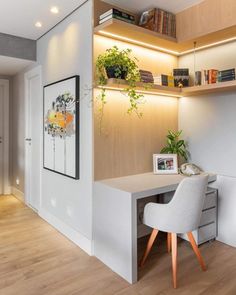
column 208, row 225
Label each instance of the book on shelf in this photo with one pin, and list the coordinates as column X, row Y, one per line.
column 146, row 76
column 226, row 75
column 198, row 78
column 171, row 81
column 117, row 12
column 164, row 80
column 116, row 17
column 212, row 76
column 160, row 21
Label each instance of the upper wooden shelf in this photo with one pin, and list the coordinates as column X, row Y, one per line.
column 124, row 31
column 117, row 84
column 130, row 33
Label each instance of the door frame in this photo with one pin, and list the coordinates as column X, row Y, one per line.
column 37, row 71
column 6, row 180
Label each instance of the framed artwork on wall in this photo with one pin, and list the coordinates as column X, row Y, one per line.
column 61, row 127
column 165, row 164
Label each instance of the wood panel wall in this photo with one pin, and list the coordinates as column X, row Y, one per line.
column 127, row 143
column 207, row 17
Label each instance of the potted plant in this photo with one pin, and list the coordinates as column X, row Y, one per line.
column 175, row 145
column 119, row 64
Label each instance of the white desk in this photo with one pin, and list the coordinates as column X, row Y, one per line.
column 115, row 217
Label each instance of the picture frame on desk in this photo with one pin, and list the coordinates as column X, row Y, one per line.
column 165, row 164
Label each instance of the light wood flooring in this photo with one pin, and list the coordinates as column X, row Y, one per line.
column 37, row 260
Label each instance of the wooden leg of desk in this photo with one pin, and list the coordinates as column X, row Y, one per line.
column 196, row 251
column 174, row 258
column 169, row 242
column 149, row 246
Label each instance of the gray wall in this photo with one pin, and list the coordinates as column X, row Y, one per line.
column 63, row 52
column 17, row 115
column 10, row 125
column 209, row 125
column 18, row 47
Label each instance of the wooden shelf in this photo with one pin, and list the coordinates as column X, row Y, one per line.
column 130, row 33
column 121, row 30
column 210, row 88
column 118, row 84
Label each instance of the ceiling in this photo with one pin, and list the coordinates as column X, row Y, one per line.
column 18, row 17
column 10, row 66
column 138, row 6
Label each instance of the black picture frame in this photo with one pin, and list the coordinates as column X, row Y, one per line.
column 77, row 127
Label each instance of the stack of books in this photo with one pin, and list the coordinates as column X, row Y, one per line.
column 117, row 14
column 146, row 76
column 181, row 77
column 212, row 76
column 226, row 75
column 209, row 76
column 160, row 21
column 164, row 80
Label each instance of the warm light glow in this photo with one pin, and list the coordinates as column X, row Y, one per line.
column 142, row 91
column 209, row 45
column 38, row 25
column 54, row 10
column 122, row 38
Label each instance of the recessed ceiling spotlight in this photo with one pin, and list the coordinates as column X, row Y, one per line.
column 38, row 25
column 54, row 10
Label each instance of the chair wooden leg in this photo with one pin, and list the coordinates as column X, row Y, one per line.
column 149, row 246
column 196, row 250
column 174, row 258
column 169, row 242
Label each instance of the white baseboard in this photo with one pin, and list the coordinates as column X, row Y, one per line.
column 77, row 238
column 18, row 194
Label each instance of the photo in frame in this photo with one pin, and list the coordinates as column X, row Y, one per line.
column 61, row 127
column 165, row 164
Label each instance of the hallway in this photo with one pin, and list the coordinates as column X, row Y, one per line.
column 37, row 260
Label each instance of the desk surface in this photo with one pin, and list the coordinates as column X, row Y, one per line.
column 147, row 181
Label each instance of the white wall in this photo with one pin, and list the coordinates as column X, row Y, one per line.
column 63, row 52
column 209, row 125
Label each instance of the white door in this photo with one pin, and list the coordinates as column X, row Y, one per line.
column 4, row 137
column 33, row 133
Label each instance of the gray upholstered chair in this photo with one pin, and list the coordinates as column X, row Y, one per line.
column 181, row 215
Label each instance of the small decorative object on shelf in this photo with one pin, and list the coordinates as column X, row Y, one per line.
column 160, row 21
column 117, row 14
column 181, row 77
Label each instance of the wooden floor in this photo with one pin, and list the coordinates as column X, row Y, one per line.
column 37, row 260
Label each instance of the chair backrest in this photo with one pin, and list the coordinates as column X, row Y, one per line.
column 187, row 203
